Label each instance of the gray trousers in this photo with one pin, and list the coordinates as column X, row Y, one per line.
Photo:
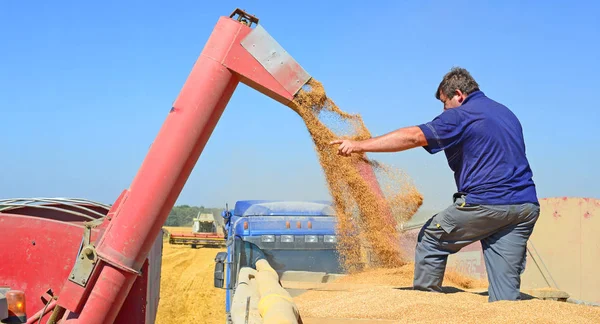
column 503, row 231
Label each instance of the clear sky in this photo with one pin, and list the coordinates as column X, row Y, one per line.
column 86, row 85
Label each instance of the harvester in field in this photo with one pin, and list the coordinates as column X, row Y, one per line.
column 205, row 233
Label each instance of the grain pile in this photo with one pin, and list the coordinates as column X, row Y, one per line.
column 187, row 293
column 408, row 306
column 387, row 294
column 370, row 198
column 403, row 277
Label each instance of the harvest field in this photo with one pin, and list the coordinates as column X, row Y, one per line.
column 187, row 294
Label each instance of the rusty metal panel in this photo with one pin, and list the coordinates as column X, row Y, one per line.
column 590, row 250
column 275, row 60
column 566, row 247
column 469, row 261
column 556, row 239
column 536, row 274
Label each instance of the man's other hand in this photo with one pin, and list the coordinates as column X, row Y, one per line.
column 347, row 147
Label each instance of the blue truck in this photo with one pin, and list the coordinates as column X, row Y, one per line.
column 293, row 236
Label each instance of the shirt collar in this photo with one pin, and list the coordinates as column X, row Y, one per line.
column 475, row 94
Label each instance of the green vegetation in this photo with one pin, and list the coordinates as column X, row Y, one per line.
column 183, row 215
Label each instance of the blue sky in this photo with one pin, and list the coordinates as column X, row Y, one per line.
column 85, row 87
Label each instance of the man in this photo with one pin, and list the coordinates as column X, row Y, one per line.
column 496, row 202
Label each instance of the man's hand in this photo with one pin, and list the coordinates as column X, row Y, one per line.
column 347, row 147
column 396, row 141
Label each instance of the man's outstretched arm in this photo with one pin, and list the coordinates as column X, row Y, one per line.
column 396, row 141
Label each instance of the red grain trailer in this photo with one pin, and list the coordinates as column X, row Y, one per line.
column 44, row 238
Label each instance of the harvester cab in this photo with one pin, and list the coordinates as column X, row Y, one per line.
column 204, row 233
column 204, row 223
column 296, row 238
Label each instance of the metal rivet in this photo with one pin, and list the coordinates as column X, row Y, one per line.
column 89, row 252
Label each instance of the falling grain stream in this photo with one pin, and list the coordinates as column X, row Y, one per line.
column 370, row 198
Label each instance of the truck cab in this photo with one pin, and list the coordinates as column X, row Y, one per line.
column 297, row 238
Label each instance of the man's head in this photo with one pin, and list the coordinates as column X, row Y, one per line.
column 455, row 87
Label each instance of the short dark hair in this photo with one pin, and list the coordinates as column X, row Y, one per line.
column 458, row 78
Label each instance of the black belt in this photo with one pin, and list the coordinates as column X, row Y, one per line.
column 461, row 195
column 458, row 195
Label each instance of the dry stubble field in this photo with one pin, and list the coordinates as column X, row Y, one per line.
column 187, row 294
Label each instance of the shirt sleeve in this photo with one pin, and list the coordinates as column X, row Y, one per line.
column 444, row 131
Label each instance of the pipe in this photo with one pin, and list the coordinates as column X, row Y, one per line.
column 243, row 311
column 276, row 304
column 168, row 164
column 47, row 309
column 56, row 315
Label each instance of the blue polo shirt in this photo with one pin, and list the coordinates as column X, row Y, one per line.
column 483, row 142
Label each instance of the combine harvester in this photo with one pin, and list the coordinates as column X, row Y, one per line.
column 205, row 233
column 77, row 261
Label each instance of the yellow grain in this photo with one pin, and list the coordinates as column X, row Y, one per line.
column 368, row 211
column 187, row 293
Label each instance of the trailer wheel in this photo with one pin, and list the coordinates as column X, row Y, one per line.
column 193, row 246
